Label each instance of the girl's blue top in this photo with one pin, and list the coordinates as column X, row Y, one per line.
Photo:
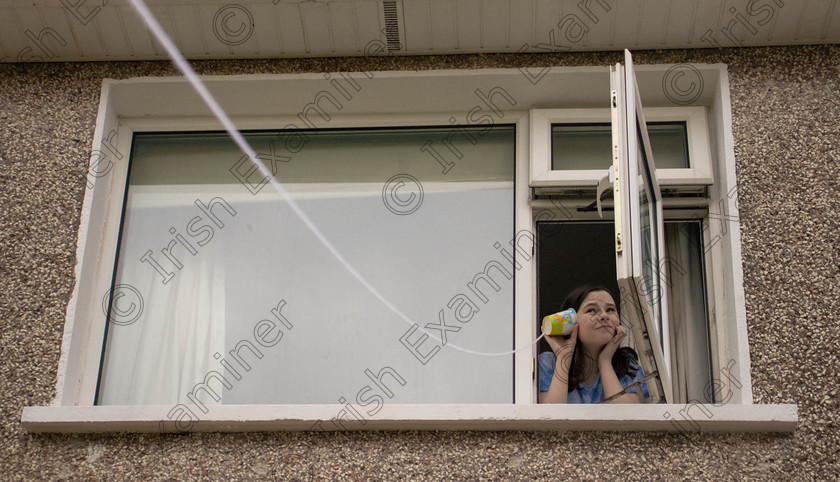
column 587, row 393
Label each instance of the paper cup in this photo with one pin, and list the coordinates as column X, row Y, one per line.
column 560, row 323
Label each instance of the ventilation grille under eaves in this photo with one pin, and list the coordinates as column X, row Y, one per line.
column 391, row 15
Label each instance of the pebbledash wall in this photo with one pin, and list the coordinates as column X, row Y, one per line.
column 786, row 121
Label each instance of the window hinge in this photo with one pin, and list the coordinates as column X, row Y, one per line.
column 533, row 368
column 616, row 153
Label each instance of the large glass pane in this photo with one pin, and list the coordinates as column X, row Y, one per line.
column 223, row 271
column 587, row 146
column 650, row 246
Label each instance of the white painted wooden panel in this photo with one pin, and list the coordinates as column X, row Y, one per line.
column 12, row 40
column 626, row 28
column 317, row 27
column 468, row 20
column 443, row 27
column 495, row 24
column 767, row 24
column 188, row 24
column 545, row 24
column 139, row 36
column 266, row 37
column 735, row 18
column 706, row 23
column 598, row 19
column 30, row 19
column 521, row 24
column 344, row 30
column 291, row 29
column 417, row 28
column 110, row 25
column 653, row 22
column 367, row 22
column 45, row 39
column 164, row 18
column 211, row 46
column 83, row 41
column 273, row 33
column 298, row 28
column 250, row 46
column 568, row 9
column 813, row 21
column 786, row 21
column 680, row 23
column 832, row 30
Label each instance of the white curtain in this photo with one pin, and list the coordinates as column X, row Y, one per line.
column 688, row 320
column 158, row 358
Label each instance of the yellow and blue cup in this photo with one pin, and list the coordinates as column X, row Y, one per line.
column 560, row 323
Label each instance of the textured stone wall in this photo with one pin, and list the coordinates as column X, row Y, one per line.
column 786, row 107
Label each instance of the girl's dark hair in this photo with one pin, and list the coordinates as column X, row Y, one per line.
column 621, row 360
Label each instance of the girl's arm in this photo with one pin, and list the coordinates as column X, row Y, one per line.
column 613, row 386
column 563, row 348
column 609, row 379
column 558, row 391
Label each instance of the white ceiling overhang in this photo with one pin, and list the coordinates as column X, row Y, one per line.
column 97, row 30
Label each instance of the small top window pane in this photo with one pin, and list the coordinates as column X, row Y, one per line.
column 580, row 146
column 669, row 143
column 587, row 146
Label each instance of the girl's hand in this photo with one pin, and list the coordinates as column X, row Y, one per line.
column 563, row 347
column 606, row 354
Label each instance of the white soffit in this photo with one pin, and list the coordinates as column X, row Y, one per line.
column 97, row 30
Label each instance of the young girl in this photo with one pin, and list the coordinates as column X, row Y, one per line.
column 589, row 366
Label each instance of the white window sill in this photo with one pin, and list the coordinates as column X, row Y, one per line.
column 258, row 418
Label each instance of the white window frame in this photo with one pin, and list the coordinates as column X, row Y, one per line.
column 699, row 172
column 156, row 104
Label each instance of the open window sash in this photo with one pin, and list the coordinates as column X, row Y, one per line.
column 639, row 233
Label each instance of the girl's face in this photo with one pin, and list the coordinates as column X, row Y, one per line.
column 597, row 319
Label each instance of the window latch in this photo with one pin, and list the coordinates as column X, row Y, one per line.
column 604, row 184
